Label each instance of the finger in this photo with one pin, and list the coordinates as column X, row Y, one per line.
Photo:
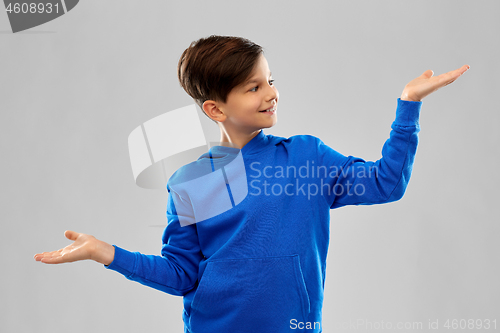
column 39, row 256
column 457, row 72
column 463, row 69
column 427, row 74
column 450, row 77
column 52, row 260
column 42, row 255
column 55, row 257
column 71, row 235
column 454, row 74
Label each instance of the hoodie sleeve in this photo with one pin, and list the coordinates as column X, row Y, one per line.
column 354, row 181
column 176, row 270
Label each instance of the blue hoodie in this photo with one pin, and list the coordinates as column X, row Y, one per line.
column 259, row 266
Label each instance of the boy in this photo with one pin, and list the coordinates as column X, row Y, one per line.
column 260, row 265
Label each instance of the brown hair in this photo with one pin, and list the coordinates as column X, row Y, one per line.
column 211, row 67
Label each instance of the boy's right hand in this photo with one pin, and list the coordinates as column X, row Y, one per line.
column 84, row 247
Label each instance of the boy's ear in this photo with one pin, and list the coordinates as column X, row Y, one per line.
column 211, row 108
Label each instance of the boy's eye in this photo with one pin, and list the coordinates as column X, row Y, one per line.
column 255, row 88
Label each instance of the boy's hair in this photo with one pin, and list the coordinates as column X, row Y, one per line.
column 211, row 67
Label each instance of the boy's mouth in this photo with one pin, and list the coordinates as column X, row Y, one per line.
column 270, row 110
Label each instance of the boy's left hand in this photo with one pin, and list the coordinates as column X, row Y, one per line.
column 426, row 84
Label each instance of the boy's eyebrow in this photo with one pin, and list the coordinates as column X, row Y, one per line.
column 254, row 80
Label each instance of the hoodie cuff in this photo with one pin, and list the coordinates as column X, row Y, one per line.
column 407, row 113
column 123, row 262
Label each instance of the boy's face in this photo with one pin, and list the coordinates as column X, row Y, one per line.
column 245, row 103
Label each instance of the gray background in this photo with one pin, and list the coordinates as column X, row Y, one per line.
column 72, row 90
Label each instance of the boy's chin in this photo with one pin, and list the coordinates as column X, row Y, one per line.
column 270, row 125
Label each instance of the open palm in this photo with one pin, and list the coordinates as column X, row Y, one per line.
column 80, row 249
column 426, row 83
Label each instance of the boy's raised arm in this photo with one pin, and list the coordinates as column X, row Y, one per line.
column 358, row 182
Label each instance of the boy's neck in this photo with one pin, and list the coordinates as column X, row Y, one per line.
column 237, row 138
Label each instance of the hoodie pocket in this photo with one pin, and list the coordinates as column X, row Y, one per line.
column 250, row 295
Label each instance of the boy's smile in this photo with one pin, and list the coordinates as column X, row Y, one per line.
column 250, row 106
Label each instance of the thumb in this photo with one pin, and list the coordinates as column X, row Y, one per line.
column 428, row 73
column 71, row 235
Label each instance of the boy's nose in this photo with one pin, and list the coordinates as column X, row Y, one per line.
column 273, row 93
